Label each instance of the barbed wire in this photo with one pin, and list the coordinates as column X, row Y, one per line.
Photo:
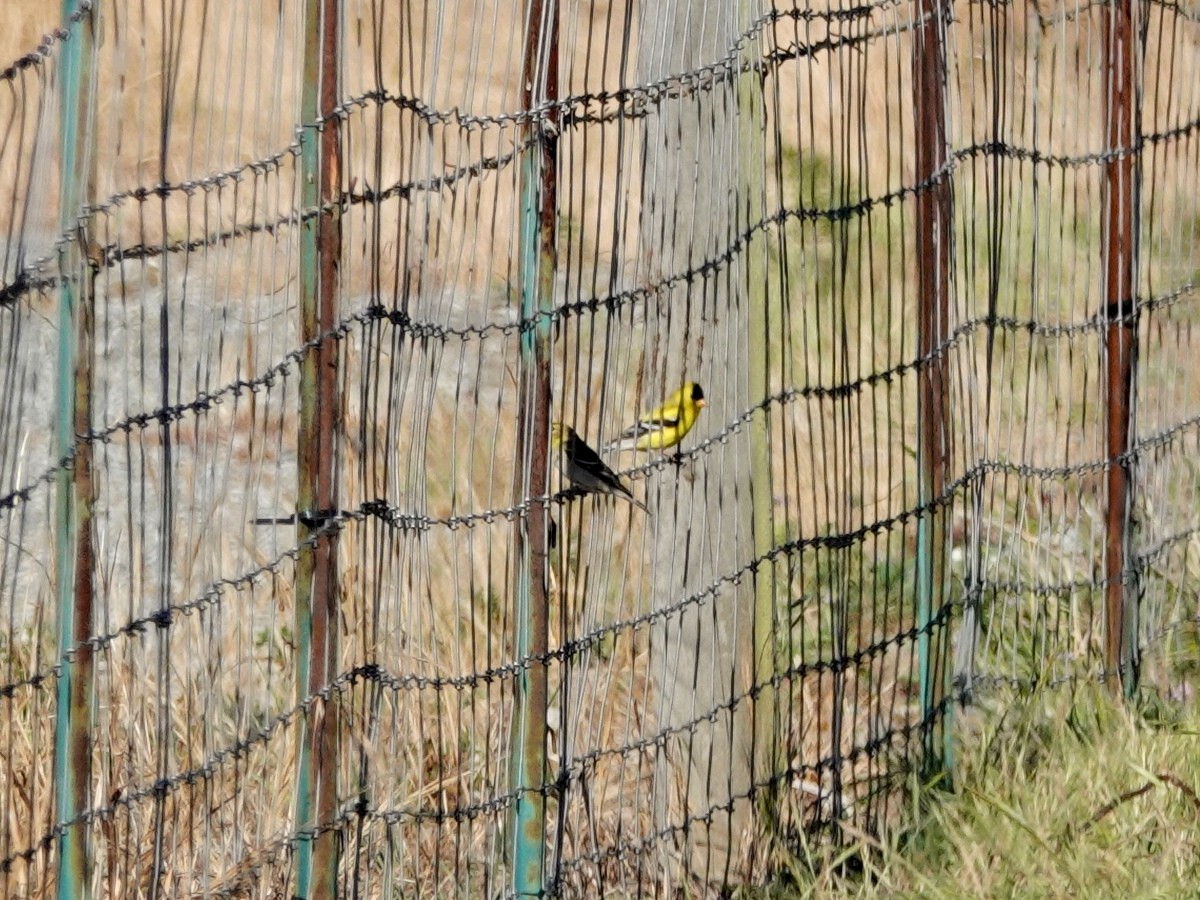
column 40, row 54
column 568, row 112
column 330, row 523
column 165, row 786
column 427, row 330
column 771, row 781
column 31, row 278
column 162, row 787
column 578, row 767
column 376, row 312
column 206, row 400
column 999, row 587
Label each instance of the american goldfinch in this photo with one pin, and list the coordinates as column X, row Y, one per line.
column 666, row 426
column 584, row 468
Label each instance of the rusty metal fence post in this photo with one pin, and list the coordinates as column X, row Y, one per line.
column 538, row 261
column 74, row 484
column 1121, row 219
column 320, row 419
column 934, row 223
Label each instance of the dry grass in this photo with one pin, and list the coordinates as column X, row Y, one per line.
column 429, row 427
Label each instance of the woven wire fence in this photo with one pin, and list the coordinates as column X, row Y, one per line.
column 293, row 599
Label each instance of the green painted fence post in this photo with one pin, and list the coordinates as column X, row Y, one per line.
column 538, row 261
column 320, row 419
column 73, row 484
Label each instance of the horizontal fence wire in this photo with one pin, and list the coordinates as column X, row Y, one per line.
column 735, row 182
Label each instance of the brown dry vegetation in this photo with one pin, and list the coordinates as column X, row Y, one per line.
column 429, row 426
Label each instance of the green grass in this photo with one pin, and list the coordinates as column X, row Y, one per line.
column 1059, row 794
column 873, row 582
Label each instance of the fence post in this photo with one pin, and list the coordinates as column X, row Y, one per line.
column 934, row 206
column 320, row 419
column 767, row 762
column 73, row 484
column 538, row 261
column 701, row 654
column 1120, row 258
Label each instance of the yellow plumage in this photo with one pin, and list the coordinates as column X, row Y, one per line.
column 665, row 426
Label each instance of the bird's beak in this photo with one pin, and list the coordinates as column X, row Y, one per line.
column 702, row 403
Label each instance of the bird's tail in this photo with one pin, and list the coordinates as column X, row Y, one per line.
column 636, row 502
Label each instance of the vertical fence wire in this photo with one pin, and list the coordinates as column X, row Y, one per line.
column 765, row 638
column 347, row 261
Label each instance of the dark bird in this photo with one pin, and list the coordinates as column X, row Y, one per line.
column 584, row 468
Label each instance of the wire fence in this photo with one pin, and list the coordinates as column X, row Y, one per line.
column 296, row 595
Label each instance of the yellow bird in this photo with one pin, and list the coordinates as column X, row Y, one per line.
column 584, row 468
column 666, row 426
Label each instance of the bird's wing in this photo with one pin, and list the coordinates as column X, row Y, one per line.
column 656, row 421
column 590, row 462
column 596, row 468
column 664, row 417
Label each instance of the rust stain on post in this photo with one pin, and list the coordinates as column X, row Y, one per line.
column 74, row 487
column 320, row 417
column 82, row 672
column 1120, row 249
column 538, row 262
column 933, row 265
column 325, row 581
